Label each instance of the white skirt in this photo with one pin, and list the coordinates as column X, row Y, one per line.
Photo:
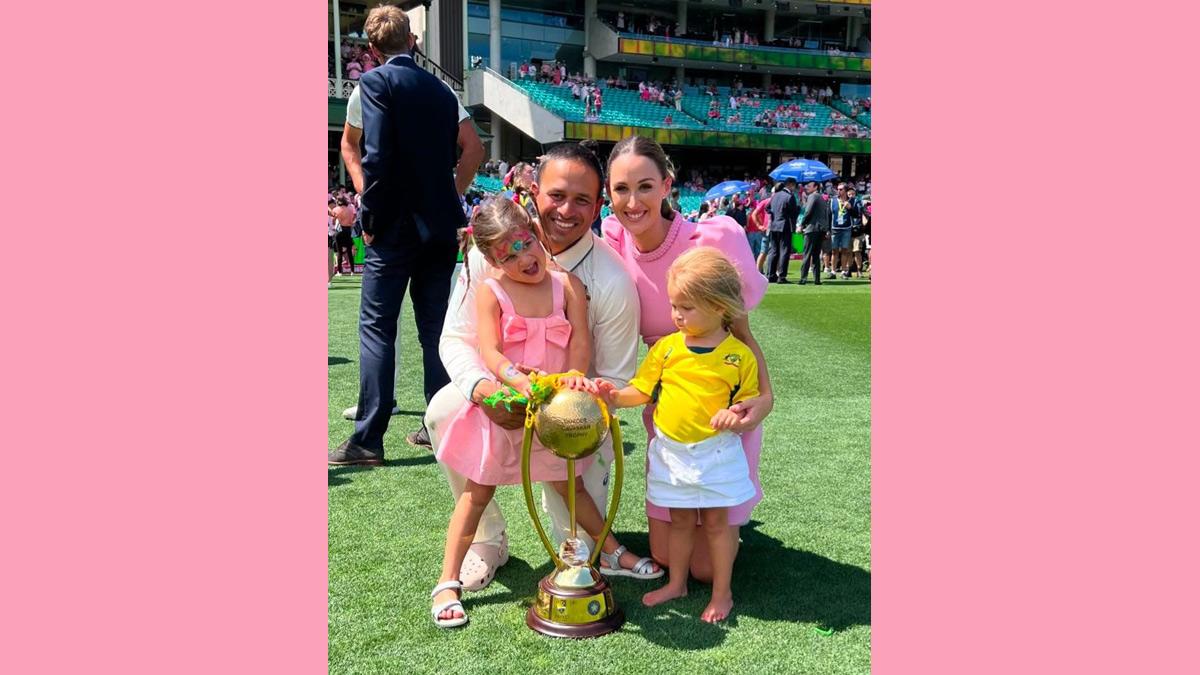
column 708, row 474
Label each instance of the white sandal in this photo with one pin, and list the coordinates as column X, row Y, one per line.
column 453, row 584
column 642, row 569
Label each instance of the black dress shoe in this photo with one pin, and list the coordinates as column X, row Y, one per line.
column 420, row 438
column 784, row 281
column 352, row 454
column 802, row 282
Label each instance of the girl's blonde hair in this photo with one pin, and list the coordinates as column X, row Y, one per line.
column 705, row 276
column 495, row 219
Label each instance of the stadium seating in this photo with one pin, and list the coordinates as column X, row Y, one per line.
column 696, row 103
column 706, row 42
column 619, row 107
column 487, row 184
column 625, row 107
column 863, row 118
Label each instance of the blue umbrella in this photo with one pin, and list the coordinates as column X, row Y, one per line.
column 803, row 170
column 729, row 187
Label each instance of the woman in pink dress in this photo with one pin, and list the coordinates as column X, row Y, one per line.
column 649, row 235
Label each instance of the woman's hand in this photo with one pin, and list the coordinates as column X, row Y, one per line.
column 752, row 411
column 580, row 383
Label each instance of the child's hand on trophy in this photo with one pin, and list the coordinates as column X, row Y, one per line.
column 606, row 390
column 523, row 384
column 516, row 378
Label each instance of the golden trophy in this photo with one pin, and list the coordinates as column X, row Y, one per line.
column 574, row 600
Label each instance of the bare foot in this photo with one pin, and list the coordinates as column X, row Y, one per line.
column 661, row 595
column 447, row 596
column 718, row 609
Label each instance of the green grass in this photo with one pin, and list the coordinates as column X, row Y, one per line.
column 804, row 565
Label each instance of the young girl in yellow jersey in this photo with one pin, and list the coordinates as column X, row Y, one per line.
column 695, row 462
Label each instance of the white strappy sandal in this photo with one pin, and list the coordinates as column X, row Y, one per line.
column 453, row 584
column 642, row 569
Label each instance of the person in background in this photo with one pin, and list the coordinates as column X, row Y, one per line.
column 815, row 225
column 841, row 209
column 737, row 211
column 412, row 179
column 756, row 231
column 343, row 215
column 351, row 149
column 783, row 211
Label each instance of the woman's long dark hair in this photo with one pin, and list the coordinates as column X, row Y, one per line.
column 645, row 147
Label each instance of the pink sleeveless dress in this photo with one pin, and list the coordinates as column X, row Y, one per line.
column 482, row 450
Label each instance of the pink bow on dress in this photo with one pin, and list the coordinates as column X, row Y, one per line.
column 535, row 333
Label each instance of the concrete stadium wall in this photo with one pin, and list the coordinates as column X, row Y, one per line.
column 506, row 100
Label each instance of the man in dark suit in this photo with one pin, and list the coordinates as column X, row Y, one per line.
column 783, row 210
column 410, row 218
column 815, row 224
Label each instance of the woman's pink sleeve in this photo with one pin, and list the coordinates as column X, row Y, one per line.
column 724, row 234
column 613, row 233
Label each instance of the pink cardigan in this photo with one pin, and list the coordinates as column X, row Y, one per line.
column 649, row 270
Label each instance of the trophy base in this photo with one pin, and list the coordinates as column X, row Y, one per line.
column 574, row 612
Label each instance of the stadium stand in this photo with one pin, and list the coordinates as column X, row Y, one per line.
column 620, row 106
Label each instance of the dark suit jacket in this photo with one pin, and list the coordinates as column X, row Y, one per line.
column 783, row 212
column 817, row 215
column 410, row 148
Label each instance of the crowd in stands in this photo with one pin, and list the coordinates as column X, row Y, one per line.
column 751, row 105
column 858, row 106
column 356, row 59
column 774, row 108
column 729, row 34
column 550, row 72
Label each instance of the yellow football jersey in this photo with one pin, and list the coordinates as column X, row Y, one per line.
column 695, row 386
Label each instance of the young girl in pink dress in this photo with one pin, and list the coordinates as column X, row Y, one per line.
column 535, row 318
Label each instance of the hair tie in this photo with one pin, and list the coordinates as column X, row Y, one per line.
column 470, row 230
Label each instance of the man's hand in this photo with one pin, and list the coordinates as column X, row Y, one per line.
column 752, row 412
column 499, row 415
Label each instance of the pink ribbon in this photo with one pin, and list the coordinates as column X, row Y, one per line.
column 535, row 333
